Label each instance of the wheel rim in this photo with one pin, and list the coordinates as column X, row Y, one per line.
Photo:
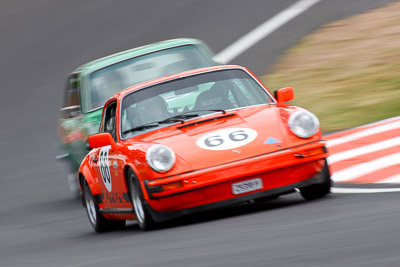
column 90, row 206
column 137, row 203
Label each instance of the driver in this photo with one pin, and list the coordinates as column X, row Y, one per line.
column 153, row 109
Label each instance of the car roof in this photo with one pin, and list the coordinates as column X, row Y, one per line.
column 127, row 54
column 174, row 76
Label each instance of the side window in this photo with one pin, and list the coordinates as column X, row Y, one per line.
column 246, row 90
column 72, row 89
column 109, row 122
column 71, row 97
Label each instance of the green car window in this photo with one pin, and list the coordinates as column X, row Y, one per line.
column 105, row 82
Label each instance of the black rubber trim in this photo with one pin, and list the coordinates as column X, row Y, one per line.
column 116, row 211
column 204, row 121
column 152, row 189
column 164, row 216
column 98, row 198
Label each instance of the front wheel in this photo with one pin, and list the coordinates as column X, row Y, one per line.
column 316, row 191
column 143, row 217
column 96, row 219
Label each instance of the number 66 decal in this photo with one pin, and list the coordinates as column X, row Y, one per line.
column 104, row 167
column 227, row 139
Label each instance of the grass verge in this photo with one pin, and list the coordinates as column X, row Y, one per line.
column 347, row 72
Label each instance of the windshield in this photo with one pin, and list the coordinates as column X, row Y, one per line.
column 188, row 97
column 108, row 81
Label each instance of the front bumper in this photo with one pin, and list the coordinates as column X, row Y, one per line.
column 281, row 171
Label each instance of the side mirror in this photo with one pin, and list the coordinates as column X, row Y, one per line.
column 100, row 140
column 284, row 94
column 70, row 112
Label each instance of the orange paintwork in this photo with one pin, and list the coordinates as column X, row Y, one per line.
column 284, row 94
column 101, row 139
column 202, row 176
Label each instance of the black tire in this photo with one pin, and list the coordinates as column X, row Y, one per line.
column 143, row 217
column 96, row 219
column 316, row 191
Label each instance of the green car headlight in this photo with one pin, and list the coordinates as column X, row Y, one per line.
column 303, row 123
column 160, row 158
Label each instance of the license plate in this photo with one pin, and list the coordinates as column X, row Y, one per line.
column 247, row 186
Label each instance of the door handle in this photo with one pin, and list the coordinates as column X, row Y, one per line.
column 95, row 159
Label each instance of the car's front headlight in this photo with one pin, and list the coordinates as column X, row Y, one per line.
column 303, row 123
column 160, row 158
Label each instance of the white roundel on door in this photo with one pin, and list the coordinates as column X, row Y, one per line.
column 227, row 138
column 104, row 166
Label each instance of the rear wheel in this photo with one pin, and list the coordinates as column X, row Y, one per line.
column 143, row 217
column 316, row 191
column 96, row 219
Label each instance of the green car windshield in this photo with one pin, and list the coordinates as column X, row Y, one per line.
column 189, row 97
column 106, row 82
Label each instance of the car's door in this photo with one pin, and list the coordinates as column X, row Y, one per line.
column 109, row 167
column 72, row 137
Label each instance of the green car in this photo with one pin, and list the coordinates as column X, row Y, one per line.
column 91, row 85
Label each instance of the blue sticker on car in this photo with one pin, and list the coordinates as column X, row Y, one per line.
column 272, row 140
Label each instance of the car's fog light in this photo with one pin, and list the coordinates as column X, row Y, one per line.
column 171, row 186
column 316, row 151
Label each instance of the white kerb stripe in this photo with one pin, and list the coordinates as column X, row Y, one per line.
column 363, row 133
column 395, row 179
column 263, row 30
column 348, row 154
column 359, row 170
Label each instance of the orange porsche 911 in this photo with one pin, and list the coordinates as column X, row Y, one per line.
column 199, row 140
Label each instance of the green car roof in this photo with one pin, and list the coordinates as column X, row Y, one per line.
column 121, row 56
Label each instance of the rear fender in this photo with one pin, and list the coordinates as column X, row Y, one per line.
column 85, row 173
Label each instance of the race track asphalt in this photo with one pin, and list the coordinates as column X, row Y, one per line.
column 42, row 225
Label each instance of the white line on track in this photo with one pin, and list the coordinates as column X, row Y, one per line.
column 363, row 190
column 263, row 30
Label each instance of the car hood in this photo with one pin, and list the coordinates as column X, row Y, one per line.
column 222, row 138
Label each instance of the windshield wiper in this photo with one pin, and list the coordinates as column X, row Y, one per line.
column 178, row 118
column 142, row 127
column 201, row 110
column 186, row 115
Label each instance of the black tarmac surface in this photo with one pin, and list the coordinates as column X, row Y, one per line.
column 42, row 225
